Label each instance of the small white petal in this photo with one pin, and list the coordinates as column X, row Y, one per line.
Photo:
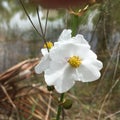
column 89, row 71
column 68, row 50
column 65, row 35
column 81, row 40
column 44, row 51
column 43, row 64
column 78, row 39
column 63, row 79
column 55, row 70
column 98, row 64
column 89, row 54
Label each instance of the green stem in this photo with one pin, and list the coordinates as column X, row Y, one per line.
column 60, row 106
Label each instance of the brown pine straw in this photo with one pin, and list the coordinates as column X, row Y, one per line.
column 10, row 100
column 22, row 97
column 32, row 101
column 17, row 69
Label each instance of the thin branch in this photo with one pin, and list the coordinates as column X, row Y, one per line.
column 117, row 63
column 49, row 107
column 111, row 115
column 107, row 67
column 100, row 17
column 10, row 100
column 40, row 24
column 106, row 97
column 30, row 18
column 46, row 22
column 43, row 37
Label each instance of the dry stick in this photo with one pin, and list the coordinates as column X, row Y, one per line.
column 40, row 24
column 106, row 68
column 106, row 97
column 10, row 100
column 111, row 115
column 43, row 37
column 45, row 30
column 117, row 62
column 46, row 22
column 49, row 107
column 99, row 19
column 30, row 18
column 112, row 55
column 116, row 66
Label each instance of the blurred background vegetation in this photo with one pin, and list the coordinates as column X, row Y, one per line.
column 100, row 24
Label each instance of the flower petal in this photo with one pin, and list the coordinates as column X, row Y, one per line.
column 66, row 38
column 89, row 54
column 55, row 70
column 98, row 64
column 44, row 51
column 80, row 39
column 43, row 64
column 63, row 78
column 67, row 50
column 65, row 35
column 89, row 70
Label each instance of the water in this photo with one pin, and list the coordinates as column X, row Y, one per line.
column 19, row 41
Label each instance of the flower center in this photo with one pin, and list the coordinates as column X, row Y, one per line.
column 48, row 45
column 74, row 61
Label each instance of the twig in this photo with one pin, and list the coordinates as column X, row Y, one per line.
column 100, row 17
column 117, row 62
column 111, row 115
column 106, row 97
column 30, row 18
column 10, row 100
column 49, row 106
column 46, row 22
column 43, row 34
column 40, row 24
column 107, row 67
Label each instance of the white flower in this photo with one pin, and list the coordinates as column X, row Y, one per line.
column 44, row 63
column 68, row 61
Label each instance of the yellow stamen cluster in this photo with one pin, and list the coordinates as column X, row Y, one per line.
column 74, row 61
column 48, row 45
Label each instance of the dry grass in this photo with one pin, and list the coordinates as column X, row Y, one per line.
column 20, row 96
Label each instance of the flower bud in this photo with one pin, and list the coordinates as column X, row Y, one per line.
column 50, row 88
column 67, row 104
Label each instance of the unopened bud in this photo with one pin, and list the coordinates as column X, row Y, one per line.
column 67, row 104
column 50, row 88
